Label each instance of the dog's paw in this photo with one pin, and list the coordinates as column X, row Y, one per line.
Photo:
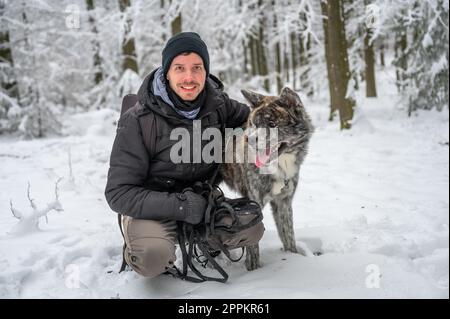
column 309, row 247
column 251, row 265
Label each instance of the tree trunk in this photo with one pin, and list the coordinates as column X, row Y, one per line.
column 9, row 84
column 369, row 57
column 338, row 60
column 382, row 47
column 400, row 49
column 278, row 68
column 253, row 56
column 278, row 54
column 98, row 74
column 176, row 25
column 31, row 91
column 331, row 83
column 371, row 90
column 262, row 60
column 35, row 112
column 304, row 60
column 128, row 46
column 287, row 64
column 294, row 61
column 162, row 5
column 260, row 49
column 245, row 52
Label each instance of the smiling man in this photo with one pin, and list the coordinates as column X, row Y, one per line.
column 149, row 190
column 187, row 76
column 185, row 67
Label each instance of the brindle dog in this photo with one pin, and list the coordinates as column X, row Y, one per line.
column 287, row 114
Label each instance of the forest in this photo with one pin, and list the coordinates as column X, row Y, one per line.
column 65, row 57
column 371, row 212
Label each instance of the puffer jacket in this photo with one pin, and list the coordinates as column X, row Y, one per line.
column 134, row 179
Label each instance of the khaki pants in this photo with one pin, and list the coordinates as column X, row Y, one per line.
column 151, row 244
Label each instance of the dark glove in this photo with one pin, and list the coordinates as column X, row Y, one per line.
column 192, row 207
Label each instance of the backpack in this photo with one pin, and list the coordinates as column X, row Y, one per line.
column 146, row 120
column 223, row 216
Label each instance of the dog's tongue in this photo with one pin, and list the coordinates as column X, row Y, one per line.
column 261, row 159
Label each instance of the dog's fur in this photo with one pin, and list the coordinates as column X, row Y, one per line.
column 288, row 114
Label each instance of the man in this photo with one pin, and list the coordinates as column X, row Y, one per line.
column 151, row 192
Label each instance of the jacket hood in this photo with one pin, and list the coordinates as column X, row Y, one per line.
column 213, row 101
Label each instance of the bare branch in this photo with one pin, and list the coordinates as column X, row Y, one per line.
column 30, row 222
column 28, row 195
column 56, row 188
column 14, row 211
column 55, row 205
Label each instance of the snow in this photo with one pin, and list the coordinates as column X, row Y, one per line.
column 427, row 41
column 439, row 66
column 371, row 214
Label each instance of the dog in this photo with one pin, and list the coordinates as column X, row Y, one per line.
column 287, row 114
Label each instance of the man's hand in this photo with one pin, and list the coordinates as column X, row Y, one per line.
column 193, row 206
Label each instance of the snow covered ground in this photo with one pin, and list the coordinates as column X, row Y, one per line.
column 373, row 201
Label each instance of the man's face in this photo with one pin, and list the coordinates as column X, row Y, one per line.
column 187, row 76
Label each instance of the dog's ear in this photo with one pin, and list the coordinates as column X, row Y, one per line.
column 254, row 98
column 292, row 102
column 289, row 97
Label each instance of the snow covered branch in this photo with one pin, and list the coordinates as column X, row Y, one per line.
column 29, row 221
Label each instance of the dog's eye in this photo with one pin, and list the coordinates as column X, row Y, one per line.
column 272, row 124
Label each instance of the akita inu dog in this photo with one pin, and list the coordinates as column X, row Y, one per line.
column 287, row 114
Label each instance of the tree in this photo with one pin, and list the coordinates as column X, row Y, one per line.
column 337, row 61
column 428, row 56
column 400, row 46
column 9, row 91
column 369, row 57
column 98, row 73
column 261, row 46
column 128, row 46
column 49, row 63
column 39, row 118
column 331, row 79
column 176, row 24
column 129, row 79
column 8, row 81
column 278, row 53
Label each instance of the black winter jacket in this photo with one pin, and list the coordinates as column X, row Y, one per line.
column 134, row 179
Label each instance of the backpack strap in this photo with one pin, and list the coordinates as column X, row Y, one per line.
column 146, row 120
column 148, row 124
column 128, row 102
column 192, row 240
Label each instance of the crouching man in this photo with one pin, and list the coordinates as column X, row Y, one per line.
column 151, row 192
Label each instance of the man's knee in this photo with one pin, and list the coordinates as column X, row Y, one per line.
column 255, row 234
column 150, row 257
column 247, row 237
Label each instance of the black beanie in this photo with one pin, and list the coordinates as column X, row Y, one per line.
column 184, row 42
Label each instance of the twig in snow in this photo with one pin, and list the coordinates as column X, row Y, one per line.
column 30, row 222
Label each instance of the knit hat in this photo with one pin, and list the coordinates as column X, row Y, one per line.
column 184, row 42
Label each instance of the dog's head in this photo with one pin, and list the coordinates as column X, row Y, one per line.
column 286, row 113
